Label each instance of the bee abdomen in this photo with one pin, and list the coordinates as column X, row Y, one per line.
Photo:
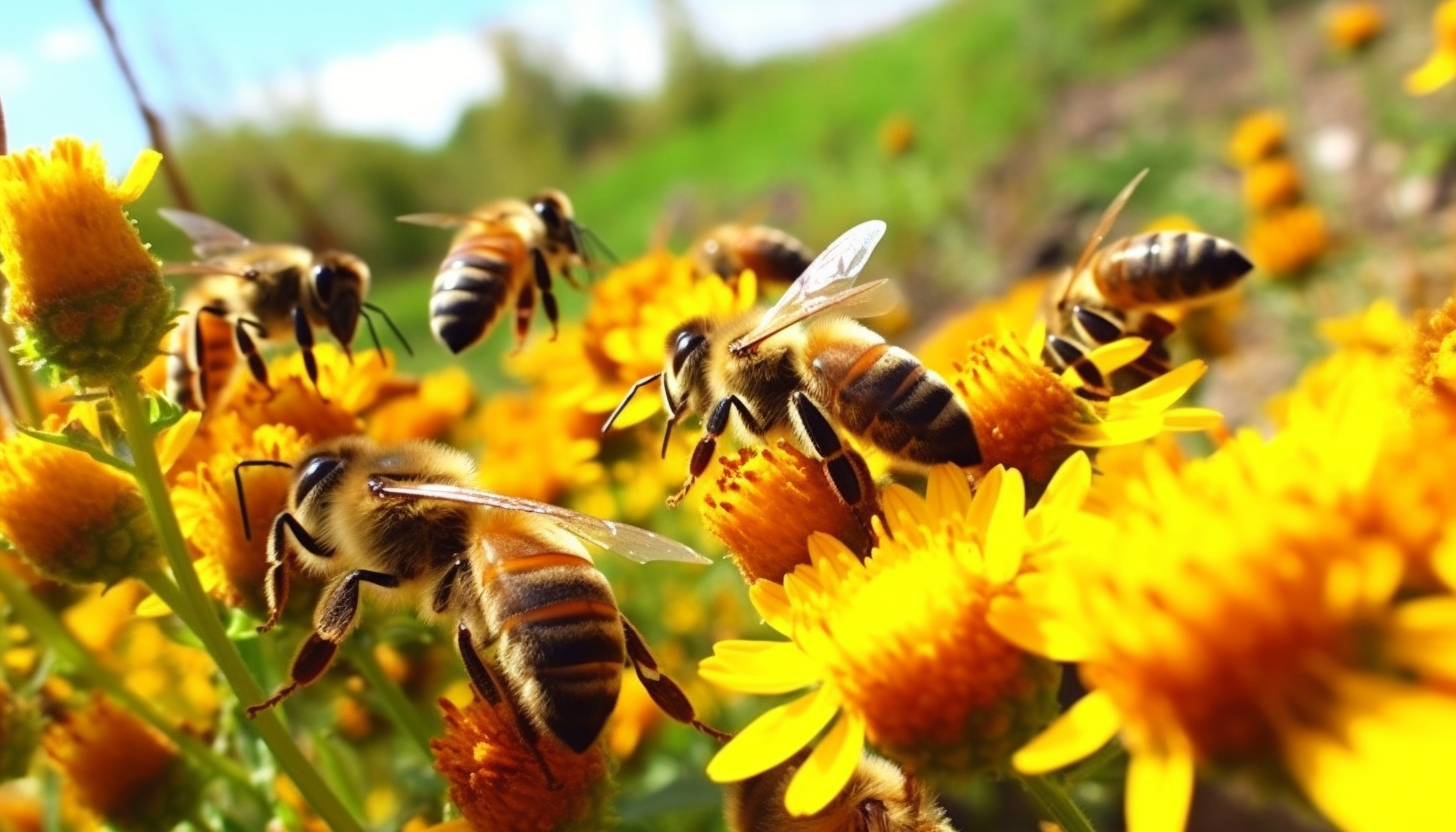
column 777, row 256
column 189, row 385
column 469, row 292
column 1167, row 267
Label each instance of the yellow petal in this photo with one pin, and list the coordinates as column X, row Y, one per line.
column 1035, row 631
column 175, row 439
column 774, row 737
column 1160, row 393
column 1084, row 728
column 1006, row 534
column 1423, row 636
column 983, row 504
column 1392, row 764
column 1160, row 789
column 948, row 494
column 153, row 606
column 1119, row 353
column 1065, row 493
column 1438, row 71
column 763, row 667
column 828, row 769
column 905, row 511
column 1192, row 419
column 772, row 602
column 140, row 175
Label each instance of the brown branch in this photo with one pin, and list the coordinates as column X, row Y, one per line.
column 4, row 145
column 178, row 184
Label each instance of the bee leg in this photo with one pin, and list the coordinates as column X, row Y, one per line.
column 493, row 689
column 275, row 583
column 708, row 444
column 1098, row 327
column 445, row 589
column 249, row 348
column 303, row 334
column 663, row 690
column 845, row 468
column 337, row 611
column 548, row 298
column 1068, row 353
column 525, row 305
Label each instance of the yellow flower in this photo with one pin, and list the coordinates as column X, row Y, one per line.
column 897, row 647
column 1440, row 68
column 765, row 504
column 1029, row 418
column 498, row 784
column 1431, row 358
column 535, row 448
column 122, row 769
column 231, row 566
column 1288, row 240
column 897, row 136
column 86, row 296
column 1257, row 136
column 1353, row 25
column 1016, row 311
column 1255, row 612
column 71, row 517
column 1272, row 183
column 424, row 409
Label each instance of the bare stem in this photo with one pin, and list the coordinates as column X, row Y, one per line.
column 175, row 181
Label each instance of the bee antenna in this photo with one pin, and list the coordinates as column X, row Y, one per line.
column 622, row 405
column 373, row 336
column 242, row 498
column 392, row 328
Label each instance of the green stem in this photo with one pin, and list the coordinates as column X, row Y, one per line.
column 1056, row 805
column 193, row 602
column 49, row 630
column 17, row 385
column 1100, row 759
column 401, row 710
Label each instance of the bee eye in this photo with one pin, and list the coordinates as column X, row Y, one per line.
column 315, row 471
column 687, row 343
column 323, row 280
column 547, row 210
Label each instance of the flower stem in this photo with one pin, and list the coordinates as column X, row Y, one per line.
column 197, row 611
column 402, row 712
column 1056, row 805
column 49, row 630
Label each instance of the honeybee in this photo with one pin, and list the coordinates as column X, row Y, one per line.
column 1115, row 291
column 811, row 381
column 878, row 798
column 536, row 623
column 248, row 293
column 505, row 250
column 775, row 256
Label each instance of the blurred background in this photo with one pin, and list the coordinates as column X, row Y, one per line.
column 989, row 135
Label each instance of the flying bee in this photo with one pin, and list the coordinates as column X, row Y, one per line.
column 248, row 293
column 808, row 382
column 774, row 256
column 536, row 623
column 505, row 250
column 878, row 798
column 1116, row 291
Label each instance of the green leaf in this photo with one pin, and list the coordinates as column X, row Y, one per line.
column 162, row 412
column 75, row 437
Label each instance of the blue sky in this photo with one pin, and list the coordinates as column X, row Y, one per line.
column 398, row 68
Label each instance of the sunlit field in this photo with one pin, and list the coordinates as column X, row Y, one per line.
column 1028, row 416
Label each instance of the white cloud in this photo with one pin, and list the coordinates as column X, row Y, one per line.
column 67, row 43
column 413, row 90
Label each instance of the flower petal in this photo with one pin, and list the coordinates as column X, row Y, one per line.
column 774, row 736
column 1035, row 631
column 1160, row 393
column 140, row 175
column 1191, row 419
column 1065, row 493
column 1160, row 789
column 1423, row 635
column 905, row 511
column 764, row 667
column 1119, row 353
column 772, row 602
column 1084, row 728
column 1392, row 763
column 828, row 769
column 175, row 439
column 948, row 493
column 1438, row 71
column 1006, row 532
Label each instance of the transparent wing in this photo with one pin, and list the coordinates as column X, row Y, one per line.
column 439, row 220
column 1104, row 225
column 629, row 541
column 206, row 270
column 209, row 237
column 828, row 283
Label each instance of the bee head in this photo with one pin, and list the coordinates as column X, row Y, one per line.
column 337, row 284
column 687, row 349
column 554, row 209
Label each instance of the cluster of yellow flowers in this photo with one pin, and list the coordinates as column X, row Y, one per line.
column 1287, row 234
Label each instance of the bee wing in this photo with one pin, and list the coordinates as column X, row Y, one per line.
column 209, row 237
column 827, row 284
column 629, row 541
column 439, row 220
column 1104, row 224
column 206, row 269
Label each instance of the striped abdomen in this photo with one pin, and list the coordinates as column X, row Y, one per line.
column 196, row 378
column 561, row 642
column 477, row 278
column 1166, row 267
column 886, row 395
